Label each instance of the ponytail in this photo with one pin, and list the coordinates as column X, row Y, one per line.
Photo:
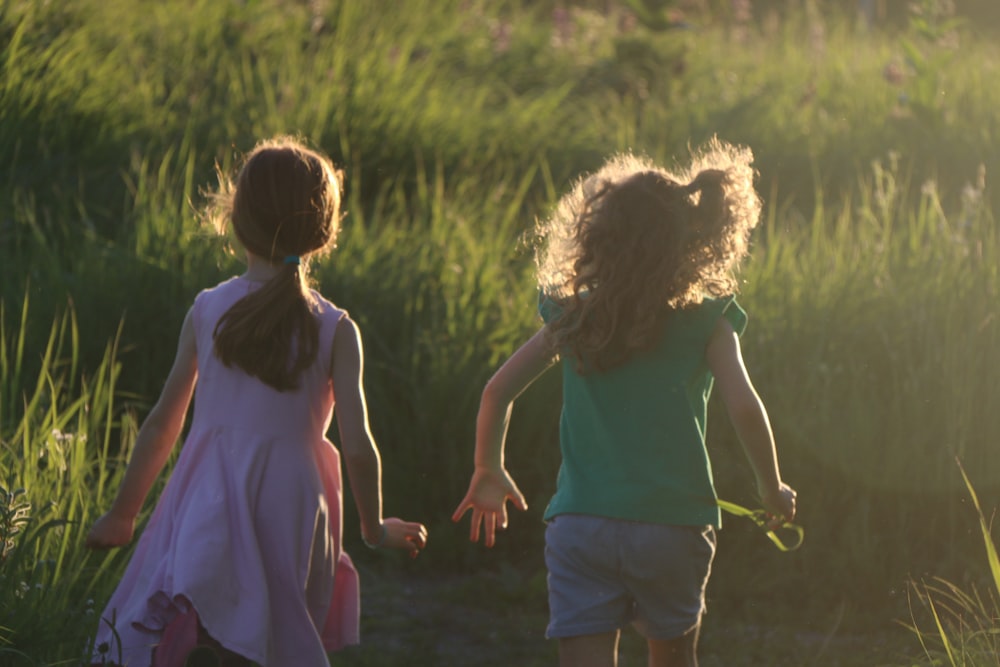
column 272, row 333
column 720, row 223
column 710, row 211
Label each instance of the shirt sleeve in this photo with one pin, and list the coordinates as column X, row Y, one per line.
column 735, row 314
column 548, row 309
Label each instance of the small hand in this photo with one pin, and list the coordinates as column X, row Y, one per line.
column 487, row 497
column 400, row 534
column 780, row 505
column 110, row 531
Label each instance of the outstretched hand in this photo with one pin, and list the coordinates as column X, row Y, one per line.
column 487, row 497
column 110, row 531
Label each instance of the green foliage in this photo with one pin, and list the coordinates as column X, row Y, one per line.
column 929, row 47
column 964, row 620
column 872, row 288
column 447, row 306
column 868, row 312
column 58, row 452
column 15, row 512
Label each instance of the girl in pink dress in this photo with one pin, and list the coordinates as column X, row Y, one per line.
column 242, row 557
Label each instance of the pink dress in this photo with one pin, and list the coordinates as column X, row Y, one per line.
column 248, row 528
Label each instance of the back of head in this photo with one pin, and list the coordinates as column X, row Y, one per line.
column 284, row 207
column 633, row 241
column 286, row 201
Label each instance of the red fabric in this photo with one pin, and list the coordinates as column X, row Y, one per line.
column 179, row 638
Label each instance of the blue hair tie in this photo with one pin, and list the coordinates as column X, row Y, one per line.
column 293, row 259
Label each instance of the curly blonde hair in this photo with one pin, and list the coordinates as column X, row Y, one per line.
column 633, row 241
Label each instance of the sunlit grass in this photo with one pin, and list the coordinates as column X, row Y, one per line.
column 58, row 450
column 959, row 625
column 870, row 327
column 872, row 286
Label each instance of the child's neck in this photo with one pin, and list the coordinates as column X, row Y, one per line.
column 259, row 269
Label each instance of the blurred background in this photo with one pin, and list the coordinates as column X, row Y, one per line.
column 872, row 286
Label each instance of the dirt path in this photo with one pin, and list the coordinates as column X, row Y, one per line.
column 498, row 619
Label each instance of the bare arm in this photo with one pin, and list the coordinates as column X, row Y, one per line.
column 749, row 418
column 491, row 485
column 361, row 455
column 154, row 442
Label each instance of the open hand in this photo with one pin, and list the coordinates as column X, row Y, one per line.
column 110, row 531
column 487, row 497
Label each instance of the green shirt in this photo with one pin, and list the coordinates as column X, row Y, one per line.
column 633, row 437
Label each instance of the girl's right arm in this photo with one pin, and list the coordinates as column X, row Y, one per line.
column 491, row 485
column 156, row 438
column 749, row 418
column 361, row 456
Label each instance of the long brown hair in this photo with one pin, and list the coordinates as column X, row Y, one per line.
column 284, row 207
column 633, row 241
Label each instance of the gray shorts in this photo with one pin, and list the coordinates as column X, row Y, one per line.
column 605, row 573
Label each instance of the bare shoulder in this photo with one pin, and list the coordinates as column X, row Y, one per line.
column 347, row 355
column 186, row 343
column 347, row 333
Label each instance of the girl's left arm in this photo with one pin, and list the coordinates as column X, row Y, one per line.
column 360, row 453
column 157, row 436
column 750, row 420
column 491, row 485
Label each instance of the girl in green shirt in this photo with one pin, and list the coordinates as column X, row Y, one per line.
column 637, row 274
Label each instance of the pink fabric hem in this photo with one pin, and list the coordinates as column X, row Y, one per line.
column 179, row 638
column 161, row 610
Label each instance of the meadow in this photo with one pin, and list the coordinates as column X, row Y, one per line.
column 872, row 287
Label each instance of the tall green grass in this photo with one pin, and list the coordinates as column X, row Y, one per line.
column 962, row 620
column 62, row 433
column 872, row 286
column 871, row 326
